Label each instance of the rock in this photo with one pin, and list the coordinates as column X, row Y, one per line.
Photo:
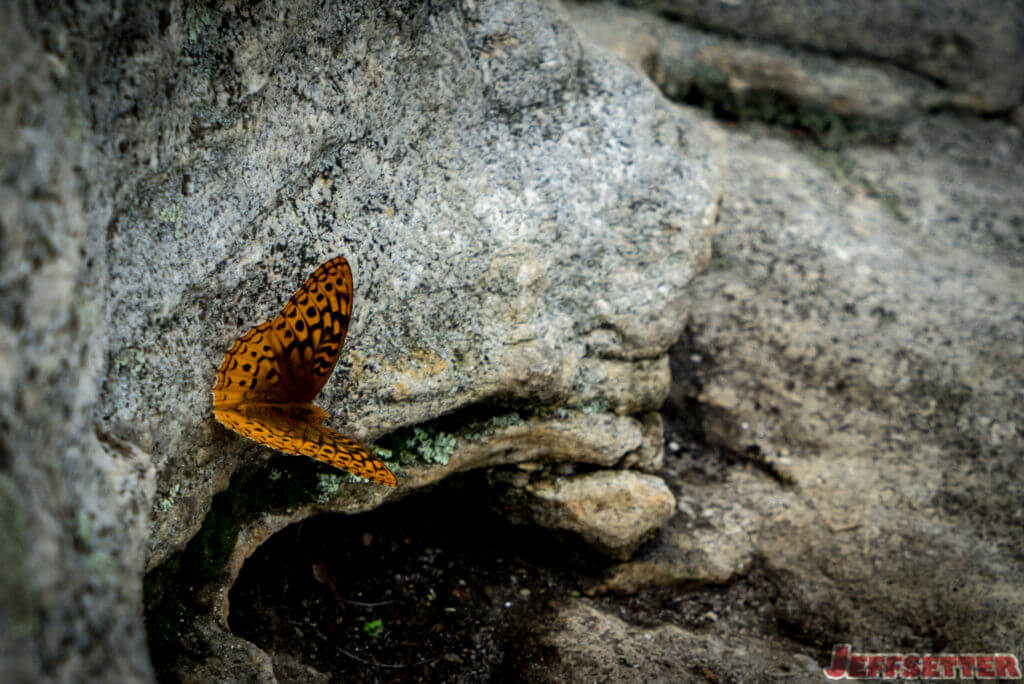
column 522, row 214
column 614, row 511
column 74, row 503
column 862, row 348
column 288, row 670
column 750, row 79
column 515, row 293
column 716, row 546
column 579, row 634
column 650, row 456
column 965, row 44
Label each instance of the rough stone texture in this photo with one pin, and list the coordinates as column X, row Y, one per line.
column 590, row 645
column 712, row 539
column 856, row 354
column 613, row 511
column 73, row 502
column 859, row 336
column 521, row 213
column 870, row 354
column 964, row 44
column 499, row 226
column 697, row 65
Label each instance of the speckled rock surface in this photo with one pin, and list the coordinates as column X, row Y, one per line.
column 857, row 348
column 478, row 281
column 844, row 423
column 521, row 213
column 964, row 44
column 73, row 502
column 580, row 634
column 694, row 64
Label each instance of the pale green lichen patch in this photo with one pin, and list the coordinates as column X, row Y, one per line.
column 197, row 17
column 167, row 501
column 481, row 431
column 131, row 359
column 170, row 213
column 328, row 485
column 409, row 444
column 505, row 420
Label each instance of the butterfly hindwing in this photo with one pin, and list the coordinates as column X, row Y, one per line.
column 272, row 427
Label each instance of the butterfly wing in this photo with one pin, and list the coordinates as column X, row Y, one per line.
column 270, row 375
column 311, row 328
column 289, row 358
column 252, row 371
column 273, row 427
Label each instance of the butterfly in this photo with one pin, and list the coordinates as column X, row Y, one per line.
column 267, row 382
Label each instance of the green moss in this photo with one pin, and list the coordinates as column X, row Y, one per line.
column 480, row 430
column 17, row 599
column 718, row 261
column 169, row 590
column 710, row 90
column 131, row 358
column 197, row 17
column 595, row 406
column 505, row 420
column 170, row 214
column 328, row 486
column 166, row 502
column 373, row 627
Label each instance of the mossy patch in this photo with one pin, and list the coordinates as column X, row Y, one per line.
column 197, row 18
column 711, row 91
column 718, row 261
column 130, row 358
column 170, row 213
column 169, row 590
column 17, row 603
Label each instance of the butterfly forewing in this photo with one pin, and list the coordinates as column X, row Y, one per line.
column 313, row 324
column 252, row 371
column 270, row 375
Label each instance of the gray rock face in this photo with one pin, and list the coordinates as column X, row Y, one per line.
column 580, row 632
column 759, row 79
column 477, row 280
column 73, row 502
column 964, row 44
column 521, row 213
column 856, row 345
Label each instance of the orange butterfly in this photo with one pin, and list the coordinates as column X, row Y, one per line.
column 269, row 377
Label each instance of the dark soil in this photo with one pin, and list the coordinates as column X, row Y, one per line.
column 436, row 587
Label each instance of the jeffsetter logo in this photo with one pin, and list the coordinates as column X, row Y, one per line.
column 847, row 665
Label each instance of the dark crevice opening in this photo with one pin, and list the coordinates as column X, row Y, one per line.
column 438, row 587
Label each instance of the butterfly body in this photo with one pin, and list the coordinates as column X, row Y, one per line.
column 269, row 377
